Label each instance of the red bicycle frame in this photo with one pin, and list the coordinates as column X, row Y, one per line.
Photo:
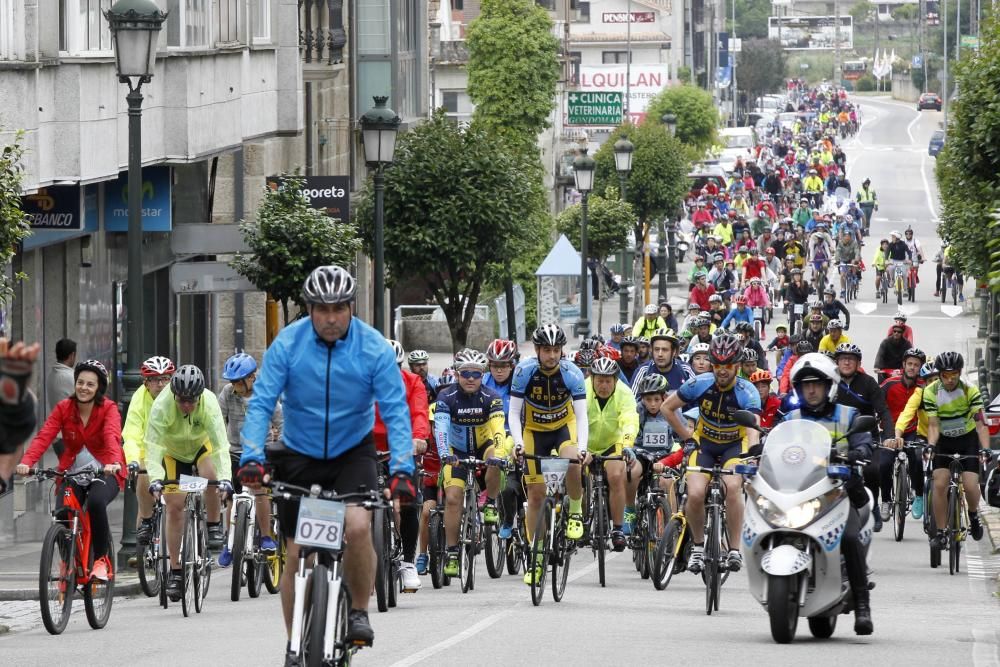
column 912, row 277
column 78, row 521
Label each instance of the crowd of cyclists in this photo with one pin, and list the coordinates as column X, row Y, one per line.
column 332, row 404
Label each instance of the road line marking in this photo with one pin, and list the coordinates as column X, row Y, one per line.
column 471, row 631
column 927, row 187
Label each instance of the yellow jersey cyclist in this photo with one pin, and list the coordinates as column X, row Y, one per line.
column 955, row 424
column 550, row 392
column 240, row 371
column 468, row 422
column 720, row 439
column 186, row 432
column 156, row 373
column 612, row 424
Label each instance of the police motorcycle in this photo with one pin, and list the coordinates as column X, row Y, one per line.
column 796, row 510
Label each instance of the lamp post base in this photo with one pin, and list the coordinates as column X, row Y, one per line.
column 131, row 381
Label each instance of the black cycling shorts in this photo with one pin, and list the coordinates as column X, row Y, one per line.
column 348, row 472
column 963, row 444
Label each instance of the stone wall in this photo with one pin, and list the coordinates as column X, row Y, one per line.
column 435, row 336
column 903, row 88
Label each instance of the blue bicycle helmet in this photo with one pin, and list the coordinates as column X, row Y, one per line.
column 238, row 366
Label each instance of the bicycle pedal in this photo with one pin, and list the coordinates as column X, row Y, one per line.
column 362, row 643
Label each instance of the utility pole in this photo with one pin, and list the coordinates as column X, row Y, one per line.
column 732, row 63
column 944, row 76
column 837, row 67
column 628, row 60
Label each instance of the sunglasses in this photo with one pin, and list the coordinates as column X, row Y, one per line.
column 471, row 375
column 950, row 375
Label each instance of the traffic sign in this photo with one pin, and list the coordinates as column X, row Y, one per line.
column 595, row 108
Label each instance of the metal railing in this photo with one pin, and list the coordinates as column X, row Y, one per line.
column 321, row 31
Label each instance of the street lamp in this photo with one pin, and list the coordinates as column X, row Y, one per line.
column 378, row 131
column 583, row 175
column 623, row 165
column 135, row 26
column 670, row 120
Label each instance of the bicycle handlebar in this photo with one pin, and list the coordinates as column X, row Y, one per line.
column 367, row 499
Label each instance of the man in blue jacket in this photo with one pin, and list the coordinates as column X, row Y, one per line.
column 329, row 370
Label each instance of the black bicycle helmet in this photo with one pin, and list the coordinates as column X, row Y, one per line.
column 653, row 383
column 584, row 358
column 725, row 349
column 98, row 369
column 188, row 382
column 549, row 334
column 630, row 340
column 804, row 347
column 949, row 361
column 749, row 354
column 916, row 353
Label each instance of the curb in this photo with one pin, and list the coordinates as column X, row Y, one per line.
column 991, row 520
column 128, row 588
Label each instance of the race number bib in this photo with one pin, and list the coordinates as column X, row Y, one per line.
column 799, row 308
column 656, row 436
column 554, row 474
column 321, row 523
column 191, row 484
column 758, row 313
column 954, row 428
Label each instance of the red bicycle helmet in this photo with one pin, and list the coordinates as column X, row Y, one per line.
column 725, row 349
column 501, row 350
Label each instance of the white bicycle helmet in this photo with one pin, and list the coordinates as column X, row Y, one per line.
column 418, row 357
column 397, row 348
column 329, row 284
column 470, row 359
column 604, row 366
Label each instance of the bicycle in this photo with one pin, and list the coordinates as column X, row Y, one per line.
column 598, row 521
column 797, row 310
column 147, row 556
column 501, row 551
column 437, row 545
column 950, row 285
column 899, row 281
column 902, row 495
column 549, row 544
column 470, row 524
column 912, row 278
column 250, row 563
column 958, row 520
column 882, row 287
column 66, row 561
column 674, row 548
column 849, row 281
column 319, row 617
column 715, row 570
column 652, row 513
column 195, row 559
column 758, row 322
column 388, row 546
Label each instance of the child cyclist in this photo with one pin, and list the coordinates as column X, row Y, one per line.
column 654, row 434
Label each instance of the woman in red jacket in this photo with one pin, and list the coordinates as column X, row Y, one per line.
column 91, row 431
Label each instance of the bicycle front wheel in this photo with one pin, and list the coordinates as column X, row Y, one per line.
column 599, row 536
column 275, row 563
column 711, row 567
column 98, row 595
column 900, row 506
column 314, row 618
column 240, row 527
column 147, row 564
column 659, row 518
column 562, row 551
column 189, row 565
column 437, row 550
column 538, row 563
column 57, row 578
column 162, row 557
column 381, row 566
column 467, row 544
column 954, row 527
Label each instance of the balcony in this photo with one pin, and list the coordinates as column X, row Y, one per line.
column 321, row 31
column 454, row 52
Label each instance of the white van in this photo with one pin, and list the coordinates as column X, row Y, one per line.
column 736, row 142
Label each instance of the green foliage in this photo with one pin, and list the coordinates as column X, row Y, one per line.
column 458, row 203
column 609, row 221
column 862, row 11
column 968, row 168
column 288, row 240
column 14, row 225
column 917, row 77
column 761, row 67
column 697, row 117
column 751, row 19
column 865, row 84
column 684, row 74
column 513, row 69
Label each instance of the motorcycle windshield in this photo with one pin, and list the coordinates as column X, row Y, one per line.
column 795, row 455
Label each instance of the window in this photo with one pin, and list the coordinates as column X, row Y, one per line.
column 262, row 20
column 83, row 27
column 575, row 58
column 614, row 57
column 373, row 27
column 228, row 21
column 189, row 22
column 457, row 5
column 11, row 39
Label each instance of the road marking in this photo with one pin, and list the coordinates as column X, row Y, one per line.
column 927, row 187
column 886, row 316
column 471, row 631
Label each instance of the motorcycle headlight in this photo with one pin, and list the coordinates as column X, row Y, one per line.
column 798, row 516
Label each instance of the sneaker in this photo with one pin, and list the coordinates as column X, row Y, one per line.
column 216, row 535
column 532, row 575
column 735, row 560
column 422, row 560
column 505, row 532
column 885, row 510
column 175, row 585
column 451, row 567
column 961, row 298
column 878, row 519
column 490, row 514
column 629, row 522
column 268, row 545
column 975, row 527
column 917, row 509
column 101, row 570
column 144, row 533
column 574, row 526
column 225, row 558
column 939, row 541
column 410, row 580
column 359, row 631
column 292, row 660
column 697, row 559
column 937, row 293
column 618, row 540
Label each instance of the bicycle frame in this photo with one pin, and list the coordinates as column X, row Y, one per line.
column 77, row 520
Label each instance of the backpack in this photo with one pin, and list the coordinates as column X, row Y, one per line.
column 992, row 487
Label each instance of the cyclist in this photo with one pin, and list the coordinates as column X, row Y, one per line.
column 431, row 465
column 720, row 439
column 17, row 403
column 891, row 351
column 949, row 267
column 331, row 368
column 665, row 347
column 618, row 332
column 156, row 373
column 796, row 294
column 740, row 313
column 832, row 308
column 502, row 356
column 241, row 373
column 553, row 396
column 612, row 426
column 468, row 422
column 629, row 363
column 955, row 426
column 748, row 362
column 650, row 320
column 913, row 245
column 818, row 385
column 769, row 403
column 186, row 431
column 899, row 320
column 698, row 358
column 848, row 255
column 897, row 391
column 815, row 331
column 91, row 427
column 834, row 337
column 745, row 333
column 417, row 360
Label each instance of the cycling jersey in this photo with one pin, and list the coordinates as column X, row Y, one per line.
column 548, row 396
column 645, row 327
column 654, row 432
column 676, row 375
column 828, row 344
column 912, row 409
column 416, row 403
column 171, row 433
column 469, row 423
column 897, row 396
column 956, row 410
column 234, row 412
column 135, row 424
column 769, row 411
column 738, row 314
column 613, row 422
column 716, row 404
column 503, row 390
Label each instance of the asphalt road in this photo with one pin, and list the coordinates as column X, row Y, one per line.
column 921, row 616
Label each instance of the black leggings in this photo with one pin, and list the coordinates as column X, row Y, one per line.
column 854, row 555
column 409, row 530
column 95, row 500
column 914, row 464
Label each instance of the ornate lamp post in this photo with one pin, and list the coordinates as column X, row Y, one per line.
column 623, row 165
column 670, row 120
column 583, row 175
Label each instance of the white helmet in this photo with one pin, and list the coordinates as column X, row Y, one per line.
column 470, row 359
column 329, row 284
column 698, row 348
column 816, row 366
column 397, row 347
column 650, row 309
column 896, row 233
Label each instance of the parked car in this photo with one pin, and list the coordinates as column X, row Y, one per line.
column 936, row 143
column 738, row 142
column 701, row 174
column 929, row 101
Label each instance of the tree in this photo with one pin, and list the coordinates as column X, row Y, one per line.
column 752, row 18
column 288, row 240
column 697, row 117
column 513, row 69
column 761, row 68
column 609, row 221
column 458, row 203
column 968, row 168
column 907, row 14
column 862, row 12
column 14, row 225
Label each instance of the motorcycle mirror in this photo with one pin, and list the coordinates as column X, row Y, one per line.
column 746, row 419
